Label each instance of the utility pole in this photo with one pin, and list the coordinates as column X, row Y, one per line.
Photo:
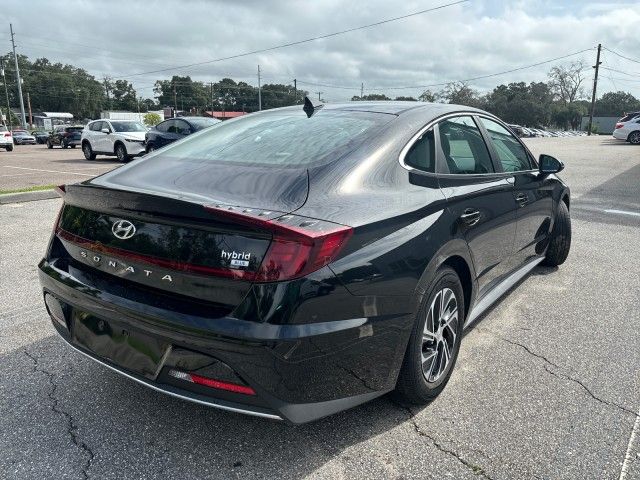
column 295, row 90
column 595, row 86
column 361, row 90
column 259, row 91
column 15, row 59
column 211, row 83
column 175, row 102
column 6, row 92
column 319, row 93
column 30, row 116
column 106, row 89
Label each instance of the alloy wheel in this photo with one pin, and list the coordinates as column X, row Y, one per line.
column 635, row 138
column 440, row 335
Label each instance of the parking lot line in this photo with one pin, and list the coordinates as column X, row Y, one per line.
column 51, row 171
column 628, row 457
column 623, row 212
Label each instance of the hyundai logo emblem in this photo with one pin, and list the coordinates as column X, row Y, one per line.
column 123, row 229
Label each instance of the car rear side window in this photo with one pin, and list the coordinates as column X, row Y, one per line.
column 422, row 153
column 511, row 153
column 463, row 147
column 164, row 126
column 283, row 139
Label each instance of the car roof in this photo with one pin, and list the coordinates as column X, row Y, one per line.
column 389, row 107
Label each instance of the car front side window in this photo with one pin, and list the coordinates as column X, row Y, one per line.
column 463, row 147
column 511, row 153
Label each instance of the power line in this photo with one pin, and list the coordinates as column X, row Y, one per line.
column 299, row 42
column 621, row 56
column 451, row 81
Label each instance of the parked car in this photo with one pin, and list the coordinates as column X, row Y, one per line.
column 174, row 129
column 22, row 137
column 122, row 138
column 41, row 136
column 297, row 262
column 629, row 130
column 65, row 136
column 629, row 116
column 6, row 139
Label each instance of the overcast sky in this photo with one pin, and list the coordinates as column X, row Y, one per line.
column 480, row 37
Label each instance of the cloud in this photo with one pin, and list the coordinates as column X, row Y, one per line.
column 463, row 41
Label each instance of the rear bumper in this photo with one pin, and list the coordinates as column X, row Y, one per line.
column 299, row 372
column 620, row 134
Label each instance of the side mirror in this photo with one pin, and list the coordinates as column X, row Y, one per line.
column 548, row 164
column 105, row 130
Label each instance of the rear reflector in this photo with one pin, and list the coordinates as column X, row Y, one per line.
column 299, row 246
column 211, row 383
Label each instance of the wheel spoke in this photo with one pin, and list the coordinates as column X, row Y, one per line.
column 432, row 357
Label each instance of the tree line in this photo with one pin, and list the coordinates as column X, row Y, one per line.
column 561, row 101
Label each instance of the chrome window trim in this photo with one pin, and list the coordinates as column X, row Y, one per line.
column 437, row 120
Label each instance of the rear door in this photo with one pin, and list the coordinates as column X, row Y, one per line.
column 532, row 192
column 97, row 137
column 479, row 197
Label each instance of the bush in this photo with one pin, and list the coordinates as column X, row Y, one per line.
column 152, row 119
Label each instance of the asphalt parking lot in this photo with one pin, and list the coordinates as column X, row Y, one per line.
column 35, row 165
column 547, row 384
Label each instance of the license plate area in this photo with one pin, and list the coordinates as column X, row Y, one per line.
column 119, row 344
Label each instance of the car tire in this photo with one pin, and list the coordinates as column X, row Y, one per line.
column 73, row 146
column 121, row 152
column 150, row 148
column 634, row 137
column 422, row 376
column 560, row 243
column 9, row 148
column 88, row 151
column 49, row 144
column 62, row 144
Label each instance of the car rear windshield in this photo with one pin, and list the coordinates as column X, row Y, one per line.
column 128, row 127
column 3, row 128
column 283, row 139
column 74, row 129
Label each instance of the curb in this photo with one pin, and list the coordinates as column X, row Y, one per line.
column 27, row 196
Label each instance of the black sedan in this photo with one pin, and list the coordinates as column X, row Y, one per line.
column 291, row 264
column 174, row 129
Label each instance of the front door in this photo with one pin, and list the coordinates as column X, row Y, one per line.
column 479, row 197
column 532, row 192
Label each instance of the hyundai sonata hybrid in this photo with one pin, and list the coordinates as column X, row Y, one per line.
column 297, row 262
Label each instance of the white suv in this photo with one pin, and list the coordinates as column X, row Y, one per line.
column 122, row 138
column 6, row 140
column 629, row 130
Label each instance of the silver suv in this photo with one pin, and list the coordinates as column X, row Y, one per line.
column 122, row 138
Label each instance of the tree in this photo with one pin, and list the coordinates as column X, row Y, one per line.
column 406, row 99
column 122, row 95
column 459, row 93
column 427, row 96
column 566, row 81
column 617, row 103
column 369, row 97
column 522, row 104
column 151, row 119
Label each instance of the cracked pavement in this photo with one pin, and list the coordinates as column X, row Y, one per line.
column 547, row 383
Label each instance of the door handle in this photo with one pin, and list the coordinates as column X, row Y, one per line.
column 470, row 216
column 522, row 199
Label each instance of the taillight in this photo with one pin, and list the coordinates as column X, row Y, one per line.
column 619, row 125
column 211, row 383
column 299, row 245
column 7, row 134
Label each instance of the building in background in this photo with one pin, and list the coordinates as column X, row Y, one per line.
column 132, row 116
column 604, row 125
column 223, row 115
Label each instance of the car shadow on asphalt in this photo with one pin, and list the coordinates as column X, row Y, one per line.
column 82, row 161
column 121, row 422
